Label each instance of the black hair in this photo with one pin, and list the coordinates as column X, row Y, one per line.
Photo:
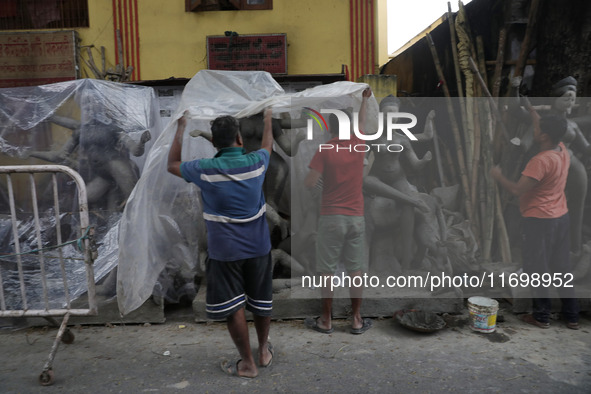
column 224, row 130
column 389, row 100
column 554, row 126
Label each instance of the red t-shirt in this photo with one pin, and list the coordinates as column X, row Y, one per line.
column 547, row 199
column 342, row 173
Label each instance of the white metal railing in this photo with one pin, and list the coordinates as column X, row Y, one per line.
column 45, row 311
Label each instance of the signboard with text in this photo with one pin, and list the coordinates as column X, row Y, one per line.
column 257, row 52
column 37, row 58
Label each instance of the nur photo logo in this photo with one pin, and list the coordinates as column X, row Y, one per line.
column 388, row 124
column 319, row 120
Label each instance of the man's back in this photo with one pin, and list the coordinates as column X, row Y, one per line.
column 231, row 182
column 233, row 202
column 547, row 199
column 342, row 174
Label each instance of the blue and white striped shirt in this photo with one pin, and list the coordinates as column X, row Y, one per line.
column 231, row 186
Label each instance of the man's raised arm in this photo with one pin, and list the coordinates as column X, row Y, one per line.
column 174, row 155
column 267, row 142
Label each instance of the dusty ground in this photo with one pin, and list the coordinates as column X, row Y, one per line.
column 183, row 356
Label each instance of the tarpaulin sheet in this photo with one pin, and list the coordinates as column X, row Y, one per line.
column 162, row 228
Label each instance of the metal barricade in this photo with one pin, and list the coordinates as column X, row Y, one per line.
column 65, row 308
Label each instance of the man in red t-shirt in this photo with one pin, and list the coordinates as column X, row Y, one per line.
column 341, row 226
column 545, row 227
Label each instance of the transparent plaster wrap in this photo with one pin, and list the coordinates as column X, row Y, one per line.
column 87, row 125
column 162, row 225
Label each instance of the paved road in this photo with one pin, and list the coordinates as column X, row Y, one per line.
column 183, row 356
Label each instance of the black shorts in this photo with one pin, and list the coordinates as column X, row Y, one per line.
column 232, row 284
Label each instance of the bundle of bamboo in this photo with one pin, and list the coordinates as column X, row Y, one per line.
column 480, row 130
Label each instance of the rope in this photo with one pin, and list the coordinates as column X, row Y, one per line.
column 464, row 53
column 77, row 241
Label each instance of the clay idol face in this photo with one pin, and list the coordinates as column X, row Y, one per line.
column 565, row 102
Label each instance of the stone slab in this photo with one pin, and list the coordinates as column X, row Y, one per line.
column 149, row 312
column 299, row 303
column 108, row 313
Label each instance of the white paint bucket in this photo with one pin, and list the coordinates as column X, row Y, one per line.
column 483, row 314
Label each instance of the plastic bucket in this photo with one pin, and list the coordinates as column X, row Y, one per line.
column 483, row 314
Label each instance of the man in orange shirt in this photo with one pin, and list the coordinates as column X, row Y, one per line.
column 545, row 227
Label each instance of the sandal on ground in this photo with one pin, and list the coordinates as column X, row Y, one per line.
column 270, row 348
column 367, row 324
column 312, row 323
column 231, row 368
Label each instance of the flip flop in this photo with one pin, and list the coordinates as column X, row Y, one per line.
column 367, row 324
column 231, row 368
column 270, row 348
column 312, row 323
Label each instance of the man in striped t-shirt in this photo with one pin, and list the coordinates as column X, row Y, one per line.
column 239, row 270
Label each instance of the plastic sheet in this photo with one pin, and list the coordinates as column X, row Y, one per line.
column 101, row 129
column 126, row 109
column 162, row 225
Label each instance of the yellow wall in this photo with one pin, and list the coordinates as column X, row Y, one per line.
column 172, row 41
column 99, row 33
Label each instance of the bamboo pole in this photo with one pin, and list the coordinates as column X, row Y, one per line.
column 457, row 69
column 438, row 157
column 103, row 61
column 478, row 218
column 454, row 51
column 525, row 45
column 479, row 128
column 476, row 153
column 477, row 117
column 96, row 75
column 485, row 222
column 455, row 129
column 499, row 63
column 481, row 64
column 92, row 64
column 501, row 229
column 488, row 220
column 462, row 11
column 450, row 163
column 465, row 51
column 485, row 90
column 493, row 211
column 502, row 235
column 497, row 75
column 528, row 62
